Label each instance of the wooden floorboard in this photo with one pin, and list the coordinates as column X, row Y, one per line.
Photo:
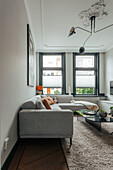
column 17, row 157
column 39, row 154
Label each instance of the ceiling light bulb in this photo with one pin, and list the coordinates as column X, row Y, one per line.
column 81, row 50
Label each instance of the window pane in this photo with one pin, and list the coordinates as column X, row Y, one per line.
column 52, row 78
column 84, row 61
column 52, row 73
column 52, row 91
column 52, row 61
column 84, row 90
column 85, row 79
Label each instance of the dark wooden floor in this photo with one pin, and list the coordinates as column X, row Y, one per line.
column 39, row 154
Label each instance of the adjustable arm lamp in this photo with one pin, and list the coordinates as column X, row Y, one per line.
column 92, row 13
column 72, row 31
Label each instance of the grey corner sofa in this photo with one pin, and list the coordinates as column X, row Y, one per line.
column 45, row 123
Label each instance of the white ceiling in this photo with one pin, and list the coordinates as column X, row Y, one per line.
column 51, row 21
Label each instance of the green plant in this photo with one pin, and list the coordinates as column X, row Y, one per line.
column 84, row 90
column 111, row 108
column 56, row 92
column 101, row 110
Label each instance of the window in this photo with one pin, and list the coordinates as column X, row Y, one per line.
column 52, row 72
column 85, row 74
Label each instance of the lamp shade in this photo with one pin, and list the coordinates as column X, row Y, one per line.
column 39, row 87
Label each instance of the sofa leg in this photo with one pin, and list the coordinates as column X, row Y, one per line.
column 70, row 142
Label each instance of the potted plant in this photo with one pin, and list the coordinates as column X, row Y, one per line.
column 102, row 113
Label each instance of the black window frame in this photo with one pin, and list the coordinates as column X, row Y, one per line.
column 63, row 69
column 95, row 69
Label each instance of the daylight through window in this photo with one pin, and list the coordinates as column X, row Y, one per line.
column 85, row 74
column 52, row 73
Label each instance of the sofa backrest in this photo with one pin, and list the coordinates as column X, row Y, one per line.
column 31, row 103
column 63, row 98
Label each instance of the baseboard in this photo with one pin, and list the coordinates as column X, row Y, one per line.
column 10, row 156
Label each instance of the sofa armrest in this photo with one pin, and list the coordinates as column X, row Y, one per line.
column 65, row 111
column 50, row 123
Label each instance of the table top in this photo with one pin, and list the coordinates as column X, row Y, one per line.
column 93, row 116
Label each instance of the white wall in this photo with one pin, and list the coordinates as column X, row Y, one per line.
column 13, row 68
column 69, row 72
column 108, row 73
column 102, row 73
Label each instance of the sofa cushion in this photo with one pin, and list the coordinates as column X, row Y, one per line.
column 43, row 96
column 55, row 107
column 37, row 96
column 54, row 99
column 30, row 104
column 46, row 103
column 50, row 100
column 39, row 104
column 71, row 106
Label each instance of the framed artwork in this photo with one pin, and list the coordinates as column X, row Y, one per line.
column 30, row 58
column 111, row 87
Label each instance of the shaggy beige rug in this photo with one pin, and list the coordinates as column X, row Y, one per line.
column 91, row 149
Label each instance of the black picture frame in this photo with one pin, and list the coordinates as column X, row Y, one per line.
column 30, row 58
column 111, row 87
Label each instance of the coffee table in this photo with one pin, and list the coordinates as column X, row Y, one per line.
column 93, row 118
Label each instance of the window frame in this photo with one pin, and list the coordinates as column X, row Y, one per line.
column 62, row 69
column 95, row 69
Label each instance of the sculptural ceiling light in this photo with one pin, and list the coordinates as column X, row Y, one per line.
column 88, row 18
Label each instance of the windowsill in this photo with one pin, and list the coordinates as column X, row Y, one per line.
column 100, row 95
column 87, row 96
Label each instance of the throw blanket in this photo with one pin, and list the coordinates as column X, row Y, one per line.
column 88, row 105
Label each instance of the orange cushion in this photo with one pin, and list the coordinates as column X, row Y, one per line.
column 46, row 103
column 50, row 100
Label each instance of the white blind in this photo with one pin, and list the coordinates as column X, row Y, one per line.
column 85, row 81
column 52, row 81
